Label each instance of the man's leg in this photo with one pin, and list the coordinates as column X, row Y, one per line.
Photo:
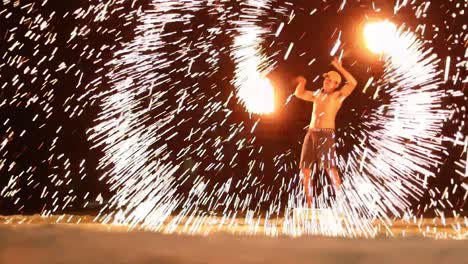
column 306, row 173
column 307, row 159
column 329, row 156
column 334, row 176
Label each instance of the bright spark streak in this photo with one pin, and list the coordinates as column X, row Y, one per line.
column 447, row 68
column 291, row 45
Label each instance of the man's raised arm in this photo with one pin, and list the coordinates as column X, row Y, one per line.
column 301, row 92
column 351, row 83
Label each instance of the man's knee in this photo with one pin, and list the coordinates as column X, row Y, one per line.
column 334, row 174
column 306, row 172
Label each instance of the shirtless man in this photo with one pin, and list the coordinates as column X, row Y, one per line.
column 318, row 147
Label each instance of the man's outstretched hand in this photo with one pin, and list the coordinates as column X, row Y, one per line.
column 300, row 80
column 350, row 80
column 336, row 63
column 301, row 91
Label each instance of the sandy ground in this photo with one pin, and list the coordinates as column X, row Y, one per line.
column 35, row 241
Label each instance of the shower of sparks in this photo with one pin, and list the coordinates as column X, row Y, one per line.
column 253, row 88
column 166, row 130
column 400, row 138
column 144, row 174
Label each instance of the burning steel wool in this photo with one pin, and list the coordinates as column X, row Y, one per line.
column 172, row 99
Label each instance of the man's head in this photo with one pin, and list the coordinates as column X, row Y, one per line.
column 331, row 82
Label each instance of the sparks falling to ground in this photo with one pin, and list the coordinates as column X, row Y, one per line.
column 169, row 141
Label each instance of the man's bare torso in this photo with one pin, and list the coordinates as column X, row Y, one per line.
column 325, row 108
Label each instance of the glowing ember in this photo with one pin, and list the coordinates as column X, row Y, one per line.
column 380, row 37
column 260, row 98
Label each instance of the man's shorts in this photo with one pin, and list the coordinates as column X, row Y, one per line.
column 318, row 149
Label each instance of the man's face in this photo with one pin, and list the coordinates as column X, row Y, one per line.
column 329, row 85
